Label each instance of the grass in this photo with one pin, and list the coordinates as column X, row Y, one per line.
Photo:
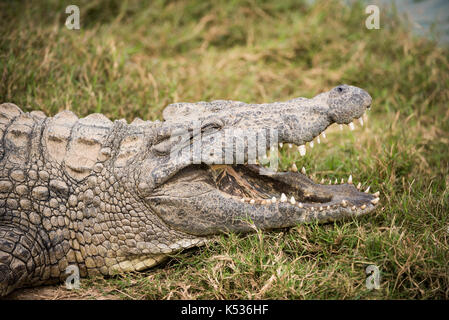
column 131, row 59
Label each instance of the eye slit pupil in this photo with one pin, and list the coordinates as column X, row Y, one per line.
column 339, row 89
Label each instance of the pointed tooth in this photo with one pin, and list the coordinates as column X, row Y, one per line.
column 359, row 186
column 294, row 168
column 302, row 150
column 375, row 201
column 351, row 126
column 376, row 194
column 300, row 205
column 344, row 203
column 350, row 179
column 290, row 145
column 367, row 189
column 311, row 144
column 363, row 207
column 312, row 209
column 336, row 181
column 283, row 197
column 323, row 134
column 342, row 181
column 353, row 208
column 303, row 170
column 242, row 200
column 341, row 127
column 281, row 144
column 252, row 201
column 273, row 200
column 328, row 207
column 292, row 200
column 318, row 140
column 330, row 181
column 322, row 181
column 321, row 208
column 361, row 121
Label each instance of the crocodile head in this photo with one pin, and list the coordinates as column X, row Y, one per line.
column 206, row 178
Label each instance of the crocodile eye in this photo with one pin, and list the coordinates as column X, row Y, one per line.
column 340, row 89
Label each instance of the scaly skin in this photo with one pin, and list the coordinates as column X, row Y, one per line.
column 110, row 197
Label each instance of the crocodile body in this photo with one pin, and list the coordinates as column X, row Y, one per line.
column 108, row 196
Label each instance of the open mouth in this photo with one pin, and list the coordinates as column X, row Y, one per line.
column 249, row 187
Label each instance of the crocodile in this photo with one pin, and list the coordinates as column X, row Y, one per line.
column 111, row 197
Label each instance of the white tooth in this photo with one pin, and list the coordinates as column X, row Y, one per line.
column 376, row 194
column 361, row 121
column 312, row 209
column 344, row 203
column 324, row 135
column 336, row 181
column 328, row 207
column 342, row 181
column 252, row 201
column 322, row 181
column 300, row 205
column 351, row 126
column 318, row 140
column 353, row 208
column 292, row 200
column 367, row 189
column 350, row 179
column 302, row 150
column 359, row 186
column 375, row 201
column 283, row 197
column 341, row 126
column 290, row 145
column 263, row 201
column 242, row 200
column 363, row 207
column 273, row 200
column 281, row 144
column 303, row 170
column 321, row 208
column 311, row 144
column 294, row 168
column 330, row 181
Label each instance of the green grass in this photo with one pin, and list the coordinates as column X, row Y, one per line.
column 130, row 59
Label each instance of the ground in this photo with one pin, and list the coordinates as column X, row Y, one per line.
column 130, row 59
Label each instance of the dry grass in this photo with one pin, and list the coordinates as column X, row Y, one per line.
column 133, row 58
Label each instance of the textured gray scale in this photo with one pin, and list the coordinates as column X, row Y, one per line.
column 83, row 149
column 57, row 134
column 17, row 138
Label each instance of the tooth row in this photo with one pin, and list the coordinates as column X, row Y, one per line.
column 302, row 148
column 343, row 203
column 294, row 168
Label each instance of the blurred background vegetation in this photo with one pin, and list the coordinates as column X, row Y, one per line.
column 132, row 58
